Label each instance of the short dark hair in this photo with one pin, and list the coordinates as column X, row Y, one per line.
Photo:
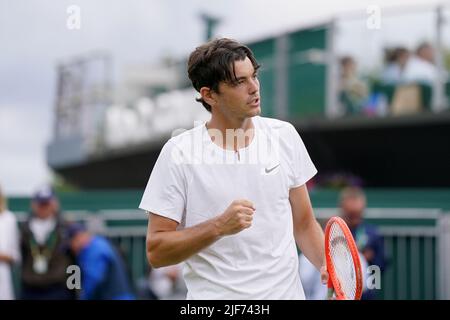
column 213, row 62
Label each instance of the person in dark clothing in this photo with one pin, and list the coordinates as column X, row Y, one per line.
column 367, row 237
column 44, row 261
column 103, row 272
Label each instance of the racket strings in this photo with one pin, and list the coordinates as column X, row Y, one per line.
column 342, row 261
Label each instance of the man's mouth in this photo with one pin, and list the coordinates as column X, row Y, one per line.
column 254, row 102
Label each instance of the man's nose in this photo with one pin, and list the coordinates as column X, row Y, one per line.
column 254, row 86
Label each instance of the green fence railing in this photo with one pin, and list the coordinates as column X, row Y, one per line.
column 414, row 223
column 412, row 239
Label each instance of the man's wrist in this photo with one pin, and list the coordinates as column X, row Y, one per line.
column 217, row 226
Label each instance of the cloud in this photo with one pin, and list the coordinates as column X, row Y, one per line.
column 35, row 38
column 22, row 153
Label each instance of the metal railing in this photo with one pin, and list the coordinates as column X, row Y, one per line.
column 417, row 246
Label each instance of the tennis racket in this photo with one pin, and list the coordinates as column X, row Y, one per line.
column 343, row 263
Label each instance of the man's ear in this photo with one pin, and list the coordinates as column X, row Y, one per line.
column 208, row 96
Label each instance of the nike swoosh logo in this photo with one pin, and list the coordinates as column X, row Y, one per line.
column 271, row 169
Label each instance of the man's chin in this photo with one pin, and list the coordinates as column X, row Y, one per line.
column 254, row 112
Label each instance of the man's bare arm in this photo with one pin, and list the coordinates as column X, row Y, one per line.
column 167, row 246
column 307, row 231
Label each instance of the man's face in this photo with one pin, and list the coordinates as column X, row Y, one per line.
column 427, row 54
column 78, row 242
column 45, row 209
column 352, row 210
column 242, row 100
column 349, row 68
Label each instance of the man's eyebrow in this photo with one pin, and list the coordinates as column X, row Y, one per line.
column 244, row 77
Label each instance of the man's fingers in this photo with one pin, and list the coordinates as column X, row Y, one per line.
column 246, row 203
column 324, row 278
column 246, row 211
column 324, row 274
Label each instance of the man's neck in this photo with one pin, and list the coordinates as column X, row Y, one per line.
column 233, row 126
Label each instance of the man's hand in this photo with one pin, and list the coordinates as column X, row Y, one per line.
column 237, row 217
column 324, row 274
column 6, row 258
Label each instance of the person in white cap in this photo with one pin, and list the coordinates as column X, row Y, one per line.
column 45, row 261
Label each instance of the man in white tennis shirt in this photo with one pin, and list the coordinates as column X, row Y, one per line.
column 228, row 197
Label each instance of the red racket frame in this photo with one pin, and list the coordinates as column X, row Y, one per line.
column 333, row 281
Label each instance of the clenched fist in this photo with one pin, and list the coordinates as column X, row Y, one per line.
column 237, row 217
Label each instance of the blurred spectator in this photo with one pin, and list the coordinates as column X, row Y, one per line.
column 421, row 67
column 338, row 180
column 312, row 284
column 9, row 249
column 103, row 272
column 396, row 61
column 369, row 241
column 167, row 283
column 44, row 260
column 310, row 278
column 353, row 91
column 144, row 288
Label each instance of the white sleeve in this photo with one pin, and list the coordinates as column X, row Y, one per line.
column 302, row 166
column 165, row 194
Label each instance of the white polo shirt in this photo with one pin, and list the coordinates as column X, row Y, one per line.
column 195, row 180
